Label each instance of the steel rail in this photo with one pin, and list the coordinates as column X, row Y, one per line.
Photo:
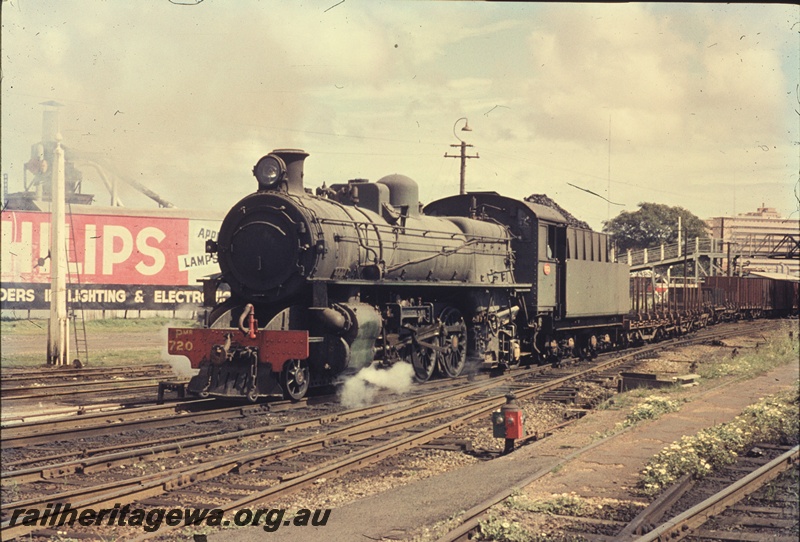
column 657, row 508
column 66, row 457
column 70, row 413
column 82, row 377
column 104, row 423
column 90, row 456
column 59, row 413
column 682, row 525
column 9, row 391
column 14, row 375
column 115, row 414
column 62, row 393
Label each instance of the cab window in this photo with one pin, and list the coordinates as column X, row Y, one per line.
column 547, row 242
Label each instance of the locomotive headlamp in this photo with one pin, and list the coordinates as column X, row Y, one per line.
column 269, row 171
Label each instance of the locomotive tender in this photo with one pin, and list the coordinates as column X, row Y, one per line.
column 357, row 273
column 326, row 283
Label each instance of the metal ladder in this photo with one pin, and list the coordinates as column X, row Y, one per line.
column 79, row 323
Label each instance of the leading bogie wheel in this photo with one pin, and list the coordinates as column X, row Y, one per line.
column 295, row 379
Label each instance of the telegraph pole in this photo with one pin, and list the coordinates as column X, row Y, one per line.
column 463, row 145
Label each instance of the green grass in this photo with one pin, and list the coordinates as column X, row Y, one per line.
column 35, row 327
column 22, row 327
column 564, row 504
column 97, row 358
column 138, row 324
column 755, row 361
column 100, row 335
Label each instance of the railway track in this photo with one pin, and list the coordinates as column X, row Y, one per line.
column 25, row 462
column 95, row 390
column 195, row 411
column 18, row 375
column 720, row 517
column 95, row 460
column 106, row 423
column 115, row 421
column 771, row 513
column 17, row 387
column 381, row 420
column 337, row 450
column 76, row 388
column 469, row 520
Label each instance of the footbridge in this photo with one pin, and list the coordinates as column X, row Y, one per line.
column 713, row 257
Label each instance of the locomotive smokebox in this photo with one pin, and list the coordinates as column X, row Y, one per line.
column 293, row 158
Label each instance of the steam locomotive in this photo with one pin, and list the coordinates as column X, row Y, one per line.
column 324, row 283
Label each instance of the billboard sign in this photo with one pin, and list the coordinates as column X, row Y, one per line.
column 115, row 262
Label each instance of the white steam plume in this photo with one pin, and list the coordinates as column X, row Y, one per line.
column 359, row 390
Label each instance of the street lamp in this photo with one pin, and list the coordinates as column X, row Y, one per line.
column 463, row 145
column 465, row 128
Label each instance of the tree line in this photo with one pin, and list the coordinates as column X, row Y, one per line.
column 651, row 225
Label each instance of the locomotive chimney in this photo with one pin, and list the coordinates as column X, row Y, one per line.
column 293, row 158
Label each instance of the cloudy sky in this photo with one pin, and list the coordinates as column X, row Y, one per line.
column 693, row 105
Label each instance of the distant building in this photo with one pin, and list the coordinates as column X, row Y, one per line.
column 756, row 236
